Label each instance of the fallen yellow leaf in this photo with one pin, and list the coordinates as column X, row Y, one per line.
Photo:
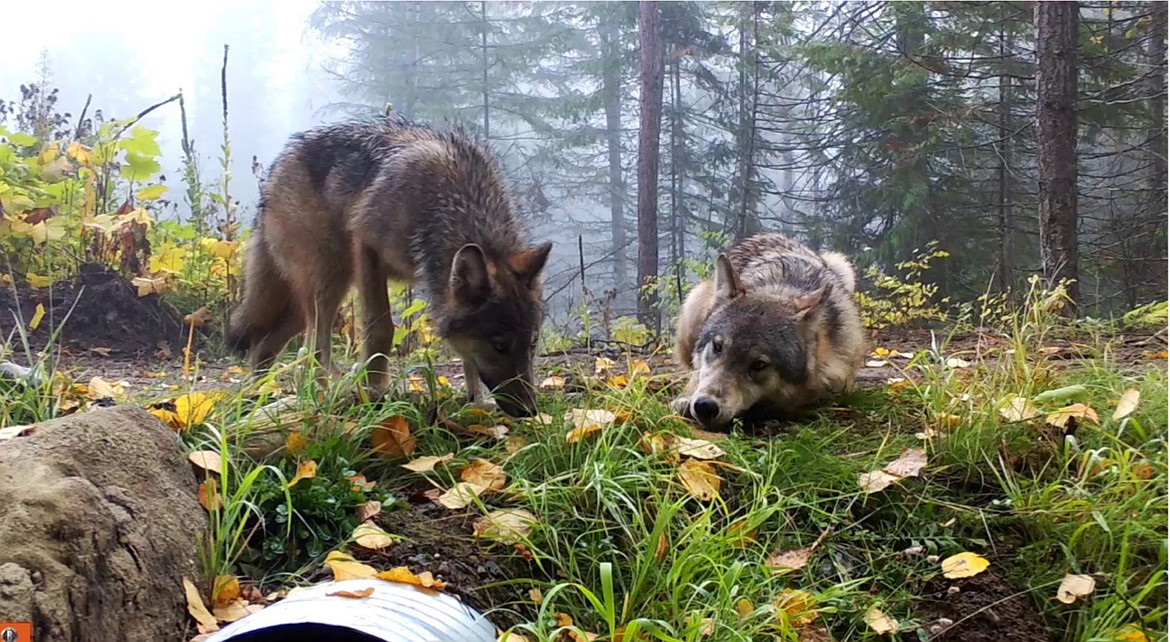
column 35, row 321
column 192, row 408
column 227, row 589
column 964, row 564
column 798, row 607
column 1127, row 404
column 461, row 495
column 353, row 595
column 619, row 381
column 235, row 610
column 794, row 559
column 367, row 535
column 305, row 470
column 908, row 464
column 402, row 575
column 1131, row 633
column 198, row 610
column 345, row 567
column 554, row 382
column 639, row 366
column 37, row 281
column 508, row 526
column 209, row 497
column 208, row 460
column 100, row 389
column 367, row 510
column 876, row 481
column 1018, row 409
column 295, row 443
column 360, row 484
column 698, row 448
column 585, row 422
column 1067, row 417
column 1075, row 586
column 484, row 474
column 879, row 622
column 603, row 365
column 700, row 479
column 427, row 463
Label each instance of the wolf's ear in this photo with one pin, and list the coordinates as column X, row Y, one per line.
column 727, row 285
column 527, row 264
column 806, row 303
column 470, row 280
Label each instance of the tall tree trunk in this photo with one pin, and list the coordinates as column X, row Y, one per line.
column 650, row 116
column 747, row 222
column 1154, row 271
column 484, row 59
column 677, row 149
column 611, row 87
column 1056, row 140
column 1004, row 152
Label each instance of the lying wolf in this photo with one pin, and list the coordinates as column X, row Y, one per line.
column 776, row 329
column 391, row 200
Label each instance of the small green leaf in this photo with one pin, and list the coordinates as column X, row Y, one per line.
column 151, row 193
column 23, row 140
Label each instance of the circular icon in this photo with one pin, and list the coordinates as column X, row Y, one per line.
column 8, row 635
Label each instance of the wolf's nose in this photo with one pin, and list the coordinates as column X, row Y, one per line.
column 705, row 409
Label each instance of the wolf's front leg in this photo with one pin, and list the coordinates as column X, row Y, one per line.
column 681, row 405
column 480, row 396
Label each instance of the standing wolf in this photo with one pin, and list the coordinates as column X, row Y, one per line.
column 391, row 200
column 775, row 329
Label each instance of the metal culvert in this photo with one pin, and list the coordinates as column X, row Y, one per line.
column 392, row 613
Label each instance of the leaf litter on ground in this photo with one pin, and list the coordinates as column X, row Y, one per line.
column 909, row 464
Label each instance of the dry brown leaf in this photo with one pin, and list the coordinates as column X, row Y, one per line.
column 554, row 382
column 305, row 470
column 662, row 547
column 198, row 609
column 908, row 464
column 360, row 484
column 1127, row 404
column 698, row 448
column 794, row 559
column 207, row 460
column 227, row 589
column 535, row 595
column 402, row 575
column 354, row 595
column 391, row 438
column 798, row 606
column 345, row 567
column 603, row 365
column 1066, row 418
column 369, row 536
column 1019, row 409
column 700, row 479
column 739, row 534
column 659, row 444
column 879, row 622
column 514, row 443
column 508, row 526
column 585, row 422
column 965, row 564
column 484, row 474
column 99, row 389
column 198, row 318
column 236, row 610
column 498, row 431
column 744, row 607
column 427, row 464
column 876, row 481
column 209, row 497
column 1075, row 586
column 639, row 366
column 814, row 633
column 367, row 510
column 461, row 495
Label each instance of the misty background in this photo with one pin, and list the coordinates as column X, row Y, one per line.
column 869, row 127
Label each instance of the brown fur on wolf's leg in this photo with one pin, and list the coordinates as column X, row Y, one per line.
column 377, row 321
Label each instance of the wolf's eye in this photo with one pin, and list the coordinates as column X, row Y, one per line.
column 716, row 347
column 501, row 346
column 759, row 365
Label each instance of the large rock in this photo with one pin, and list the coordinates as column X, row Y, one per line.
column 99, row 522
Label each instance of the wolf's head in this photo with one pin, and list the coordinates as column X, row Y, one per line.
column 492, row 318
column 755, row 351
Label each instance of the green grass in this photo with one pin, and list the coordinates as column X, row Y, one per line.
column 626, row 552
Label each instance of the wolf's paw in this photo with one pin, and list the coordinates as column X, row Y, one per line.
column 680, row 406
column 486, row 404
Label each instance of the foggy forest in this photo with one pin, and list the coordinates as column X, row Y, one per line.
column 994, row 172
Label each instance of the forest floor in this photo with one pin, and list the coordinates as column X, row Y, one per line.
column 972, row 488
